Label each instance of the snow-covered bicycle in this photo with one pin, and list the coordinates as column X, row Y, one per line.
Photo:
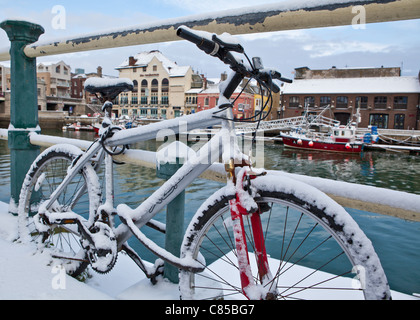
column 262, row 236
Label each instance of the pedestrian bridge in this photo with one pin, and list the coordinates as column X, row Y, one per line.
column 284, row 124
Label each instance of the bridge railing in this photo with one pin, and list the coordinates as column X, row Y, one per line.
column 350, row 195
column 288, row 15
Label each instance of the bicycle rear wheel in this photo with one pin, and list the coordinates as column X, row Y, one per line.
column 315, row 248
column 81, row 196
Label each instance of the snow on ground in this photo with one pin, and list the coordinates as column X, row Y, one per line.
column 26, row 274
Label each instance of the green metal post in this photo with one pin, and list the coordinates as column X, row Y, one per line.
column 174, row 221
column 23, row 102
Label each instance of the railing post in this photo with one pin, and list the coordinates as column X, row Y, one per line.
column 23, row 103
column 174, row 220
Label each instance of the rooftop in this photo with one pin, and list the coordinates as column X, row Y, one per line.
column 353, row 85
column 143, row 59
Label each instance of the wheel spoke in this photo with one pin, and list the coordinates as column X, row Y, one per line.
column 304, row 254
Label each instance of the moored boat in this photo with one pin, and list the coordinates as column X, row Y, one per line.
column 325, row 134
column 340, row 139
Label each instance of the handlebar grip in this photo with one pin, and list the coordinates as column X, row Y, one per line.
column 277, row 75
column 199, row 38
column 286, row 80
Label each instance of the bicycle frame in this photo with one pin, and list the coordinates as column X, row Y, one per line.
column 224, row 144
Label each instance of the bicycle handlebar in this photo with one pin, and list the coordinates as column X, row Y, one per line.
column 217, row 46
column 200, row 38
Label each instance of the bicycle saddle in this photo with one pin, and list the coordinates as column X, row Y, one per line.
column 109, row 89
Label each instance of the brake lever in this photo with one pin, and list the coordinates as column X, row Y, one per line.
column 237, row 47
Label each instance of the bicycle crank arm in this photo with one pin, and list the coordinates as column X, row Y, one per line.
column 52, row 218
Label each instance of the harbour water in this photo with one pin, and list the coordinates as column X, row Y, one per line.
column 396, row 241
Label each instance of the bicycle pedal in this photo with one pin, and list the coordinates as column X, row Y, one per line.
column 158, row 270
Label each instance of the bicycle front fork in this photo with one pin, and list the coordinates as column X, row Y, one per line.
column 242, row 206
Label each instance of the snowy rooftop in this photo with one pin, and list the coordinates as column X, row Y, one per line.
column 354, row 85
column 142, row 59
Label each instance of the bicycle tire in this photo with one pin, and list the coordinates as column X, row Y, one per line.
column 302, row 218
column 45, row 174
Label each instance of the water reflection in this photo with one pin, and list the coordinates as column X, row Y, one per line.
column 393, row 171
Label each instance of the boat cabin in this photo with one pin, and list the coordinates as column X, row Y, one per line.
column 343, row 134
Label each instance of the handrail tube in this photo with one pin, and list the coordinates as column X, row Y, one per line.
column 216, row 172
column 289, row 15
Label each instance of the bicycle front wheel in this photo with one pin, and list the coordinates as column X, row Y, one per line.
column 315, row 249
column 81, row 196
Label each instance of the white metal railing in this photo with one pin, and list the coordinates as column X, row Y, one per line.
column 351, row 195
column 286, row 15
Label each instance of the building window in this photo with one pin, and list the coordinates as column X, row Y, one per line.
column 165, row 86
column 143, row 112
column 154, row 113
column 379, row 120
column 293, row 102
column 57, row 69
column 144, row 92
column 124, row 99
column 136, row 86
column 324, row 101
column 206, row 101
column 309, row 101
column 155, row 68
column 155, row 88
column 342, row 102
column 362, row 102
column 399, row 121
column 154, row 100
column 165, row 100
column 380, row 102
column 400, row 102
column 134, row 99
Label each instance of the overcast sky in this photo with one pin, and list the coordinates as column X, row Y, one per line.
column 393, row 44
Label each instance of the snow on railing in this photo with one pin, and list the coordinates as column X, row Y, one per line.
column 285, row 15
column 380, row 200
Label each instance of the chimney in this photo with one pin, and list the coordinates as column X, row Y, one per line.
column 99, row 71
column 204, row 81
column 131, row 61
column 223, row 76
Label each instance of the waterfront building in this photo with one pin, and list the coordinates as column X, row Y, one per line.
column 160, row 87
column 54, row 91
column 243, row 106
column 385, row 98
column 90, row 101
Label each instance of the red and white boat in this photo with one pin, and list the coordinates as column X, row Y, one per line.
column 325, row 134
column 340, row 139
